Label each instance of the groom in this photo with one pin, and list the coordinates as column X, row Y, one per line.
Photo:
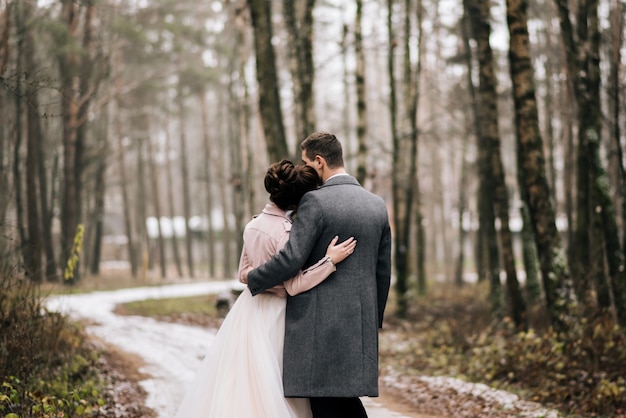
column 331, row 331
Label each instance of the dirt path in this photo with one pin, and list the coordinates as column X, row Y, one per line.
column 163, row 356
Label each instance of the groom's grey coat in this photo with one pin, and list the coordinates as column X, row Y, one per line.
column 331, row 331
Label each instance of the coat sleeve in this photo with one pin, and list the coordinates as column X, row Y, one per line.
column 304, row 234
column 383, row 272
column 244, row 264
column 311, row 277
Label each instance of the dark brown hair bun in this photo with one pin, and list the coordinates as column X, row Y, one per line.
column 287, row 183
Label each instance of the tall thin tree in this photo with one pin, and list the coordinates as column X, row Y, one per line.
column 155, row 187
column 33, row 145
column 19, row 137
column 479, row 13
column 361, row 95
column 207, row 145
column 618, row 21
column 266, row 74
column 582, row 47
column 299, row 22
column 531, row 167
column 184, row 169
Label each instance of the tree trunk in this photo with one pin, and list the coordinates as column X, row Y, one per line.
column 144, row 245
column 208, row 182
column 266, row 73
column 99, row 211
column 361, row 96
column 5, row 48
column 246, row 114
column 440, row 207
column 473, row 113
column 156, row 199
column 567, row 107
column 549, row 118
column 246, row 164
column 488, row 137
column 439, row 213
column 19, row 138
column 617, row 25
column 515, row 297
column 501, row 199
column 68, row 65
column 222, row 181
column 237, row 175
column 346, row 125
column 583, row 58
column 421, row 244
column 614, row 256
column 47, row 214
column 33, row 146
column 462, row 207
column 184, row 167
column 531, row 166
column 83, row 99
column 412, row 95
column 100, row 190
column 401, row 254
column 405, row 185
column 124, row 183
column 300, row 32
column 171, row 203
column 529, row 251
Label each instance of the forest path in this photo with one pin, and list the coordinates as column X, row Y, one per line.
column 171, row 353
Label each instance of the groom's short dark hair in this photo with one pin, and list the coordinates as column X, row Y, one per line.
column 325, row 145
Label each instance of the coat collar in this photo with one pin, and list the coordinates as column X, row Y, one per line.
column 342, row 179
column 272, row 209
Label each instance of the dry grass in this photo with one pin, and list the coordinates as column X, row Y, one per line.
column 112, row 279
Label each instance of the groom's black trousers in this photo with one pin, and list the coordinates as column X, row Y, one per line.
column 337, row 408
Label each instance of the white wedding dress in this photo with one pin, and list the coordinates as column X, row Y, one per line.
column 241, row 375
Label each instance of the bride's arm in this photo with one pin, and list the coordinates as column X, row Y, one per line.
column 245, row 266
column 312, row 276
column 318, row 272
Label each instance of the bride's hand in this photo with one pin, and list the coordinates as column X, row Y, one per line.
column 339, row 252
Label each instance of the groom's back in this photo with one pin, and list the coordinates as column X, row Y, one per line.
column 332, row 330
column 351, row 211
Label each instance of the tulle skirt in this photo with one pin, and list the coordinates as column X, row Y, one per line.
column 241, row 375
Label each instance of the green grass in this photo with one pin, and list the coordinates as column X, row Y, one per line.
column 164, row 307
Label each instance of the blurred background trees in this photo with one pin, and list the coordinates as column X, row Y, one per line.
column 494, row 131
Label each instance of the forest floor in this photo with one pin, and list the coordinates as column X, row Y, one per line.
column 410, row 386
column 406, row 397
column 403, row 390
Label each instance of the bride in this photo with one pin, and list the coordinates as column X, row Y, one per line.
column 241, row 374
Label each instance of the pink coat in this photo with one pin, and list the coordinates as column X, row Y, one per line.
column 263, row 237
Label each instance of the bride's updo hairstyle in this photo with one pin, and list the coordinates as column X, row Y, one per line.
column 287, row 183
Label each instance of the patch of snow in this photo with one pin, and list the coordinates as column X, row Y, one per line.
column 171, row 352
